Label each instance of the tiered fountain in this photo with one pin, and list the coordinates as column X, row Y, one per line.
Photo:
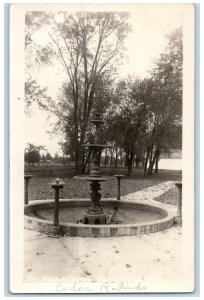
column 95, row 214
column 138, row 217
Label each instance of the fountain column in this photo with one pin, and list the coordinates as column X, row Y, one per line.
column 95, row 214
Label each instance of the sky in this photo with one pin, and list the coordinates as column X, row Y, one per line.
column 144, row 44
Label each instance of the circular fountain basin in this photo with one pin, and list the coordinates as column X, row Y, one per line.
column 139, row 218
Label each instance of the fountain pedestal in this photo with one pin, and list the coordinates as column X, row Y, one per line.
column 95, row 214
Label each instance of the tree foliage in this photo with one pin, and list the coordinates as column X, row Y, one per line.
column 35, row 94
column 149, row 119
column 86, row 44
column 36, row 56
column 32, row 153
column 143, row 116
column 166, row 108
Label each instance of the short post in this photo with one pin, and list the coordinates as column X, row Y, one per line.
column 26, row 178
column 57, row 185
column 179, row 207
column 119, row 177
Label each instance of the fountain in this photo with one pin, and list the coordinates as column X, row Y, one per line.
column 98, row 217
column 95, row 214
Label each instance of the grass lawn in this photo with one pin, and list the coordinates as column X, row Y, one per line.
column 39, row 187
column 170, row 197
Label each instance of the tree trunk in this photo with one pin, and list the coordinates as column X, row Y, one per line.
column 129, row 163
column 76, row 158
column 89, row 163
column 76, row 132
column 137, row 161
column 86, row 161
column 152, row 162
column 121, row 157
column 83, row 159
column 116, row 157
column 157, row 162
column 111, row 158
column 146, row 162
column 106, row 157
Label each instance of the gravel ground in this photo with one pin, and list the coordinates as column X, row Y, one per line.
column 39, row 187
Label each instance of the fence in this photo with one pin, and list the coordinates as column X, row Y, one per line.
column 50, row 172
column 59, row 171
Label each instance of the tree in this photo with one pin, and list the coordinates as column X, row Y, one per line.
column 48, row 156
column 56, row 157
column 86, row 44
column 130, row 120
column 148, row 121
column 64, row 110
column 36, row 56
column 43, row 158
column 35, row 94
column 32, row 154
column 32, row 157
column 165, row 119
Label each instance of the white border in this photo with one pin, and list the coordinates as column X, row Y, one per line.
column 16, row 159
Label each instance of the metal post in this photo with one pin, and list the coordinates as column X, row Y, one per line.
column 26, row 178
column 119, row 177
column 118, row 197
column 56, row 208
column 57, row 185
column 179, row 207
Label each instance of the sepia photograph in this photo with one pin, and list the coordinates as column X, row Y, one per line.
column 102, row 148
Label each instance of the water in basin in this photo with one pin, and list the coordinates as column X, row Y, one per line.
column 72, row 214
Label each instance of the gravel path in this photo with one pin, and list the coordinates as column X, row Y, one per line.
column 161, row 192
column 151, row 192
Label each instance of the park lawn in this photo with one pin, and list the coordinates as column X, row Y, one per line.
column 170, row 197
column 40, row 187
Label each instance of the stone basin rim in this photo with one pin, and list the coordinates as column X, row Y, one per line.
column 85, row 230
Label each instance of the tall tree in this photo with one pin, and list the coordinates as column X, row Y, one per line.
column 85, row 44
column 166, row 108
column 149, row 118
column 129, row 121
column 64, row 110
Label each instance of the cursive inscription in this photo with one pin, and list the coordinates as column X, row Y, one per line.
column 104, row 287
column 115, row 287
column 75, row 287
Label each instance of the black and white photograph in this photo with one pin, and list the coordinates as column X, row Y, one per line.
column 102, row 148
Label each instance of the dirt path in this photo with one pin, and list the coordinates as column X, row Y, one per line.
column 151, row 192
